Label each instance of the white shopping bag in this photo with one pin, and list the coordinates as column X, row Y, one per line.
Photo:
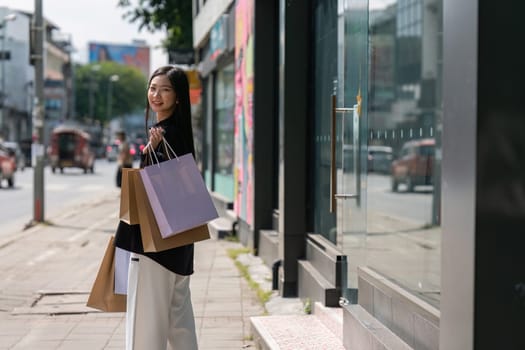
column 121, row 270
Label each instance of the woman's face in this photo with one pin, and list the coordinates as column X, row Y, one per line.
column 161, row 97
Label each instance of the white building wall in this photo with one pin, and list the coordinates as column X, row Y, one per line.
column 208, row 14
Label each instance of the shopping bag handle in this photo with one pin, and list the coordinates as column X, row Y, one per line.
column 166, row 146
column 150, row 151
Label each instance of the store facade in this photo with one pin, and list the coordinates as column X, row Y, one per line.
column 215, row 56
column 358, row 164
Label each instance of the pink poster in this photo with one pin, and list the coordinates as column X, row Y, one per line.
column 243, row 132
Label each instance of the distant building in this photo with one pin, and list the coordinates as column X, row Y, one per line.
column 17, row 85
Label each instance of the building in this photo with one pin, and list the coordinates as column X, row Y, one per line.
column 16, row 76
column 214, row 39
column 433, row 252
column 17, row 82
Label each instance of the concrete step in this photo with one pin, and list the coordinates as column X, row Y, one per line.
column 230, row 215
column 363, row 331
column 220, row 227
column 331, row 317
column 305, row 332
column 313, row 285
column 268, row 246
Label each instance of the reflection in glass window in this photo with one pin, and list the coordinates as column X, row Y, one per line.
column 403, row 204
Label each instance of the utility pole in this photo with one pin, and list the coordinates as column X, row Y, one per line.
column 37, row 148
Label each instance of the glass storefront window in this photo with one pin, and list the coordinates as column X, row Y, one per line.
column 404, row 115
column 388, row 150
column 325, row 76
column 224, row 141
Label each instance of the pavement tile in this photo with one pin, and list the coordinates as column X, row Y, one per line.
column 40, row 344
column 214, row 344
column 44, row 267
column 83, row 344
column 8, row 341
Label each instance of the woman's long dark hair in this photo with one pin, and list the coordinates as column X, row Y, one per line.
column 182, row 113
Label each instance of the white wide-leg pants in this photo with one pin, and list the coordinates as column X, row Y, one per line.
column 159, row 311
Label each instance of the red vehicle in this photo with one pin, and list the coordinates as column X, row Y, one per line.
column 70, row 148
column 7, row 167
column 414, row 166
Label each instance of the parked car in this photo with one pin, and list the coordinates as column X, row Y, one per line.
column 70, row 148
column 16, row 152
column 379, row 159
column 7, row 167
column 414, row 166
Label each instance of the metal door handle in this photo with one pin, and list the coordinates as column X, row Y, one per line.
column 345, row 196
column 333, row 173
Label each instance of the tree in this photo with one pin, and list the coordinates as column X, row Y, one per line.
column 174, row 16
column 92, row 90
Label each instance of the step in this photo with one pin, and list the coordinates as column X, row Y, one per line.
column 268, row 246
column 286, row 332
column 332, row 318
column 364, row 332
column 314, row 286
column 220, row 227
column 230, row 215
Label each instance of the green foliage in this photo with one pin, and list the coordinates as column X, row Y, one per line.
column 128, row 93
column 234, row 253
column 262, row 295
column 307, row 306
column 173, row 16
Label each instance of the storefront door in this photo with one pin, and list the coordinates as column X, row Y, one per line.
column 387, row 141
column 349, row 117
column 377, row 141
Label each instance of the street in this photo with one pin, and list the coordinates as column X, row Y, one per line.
column 60, row 191
column 73, row 186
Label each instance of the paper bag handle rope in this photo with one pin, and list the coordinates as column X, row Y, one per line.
column 166, row 146
column 150, row 152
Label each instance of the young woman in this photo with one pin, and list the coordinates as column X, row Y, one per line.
column 159, row 311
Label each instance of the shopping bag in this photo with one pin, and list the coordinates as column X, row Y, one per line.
column 177, row 194
column 152, row 240
column 102, row 296
column 128, row 207
column 121, row 270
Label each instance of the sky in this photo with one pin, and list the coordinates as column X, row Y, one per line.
column 93, row 20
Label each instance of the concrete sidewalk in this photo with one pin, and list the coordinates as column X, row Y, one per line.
column 47, row 272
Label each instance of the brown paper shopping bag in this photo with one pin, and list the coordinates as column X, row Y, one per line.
column 102, row 296
column 128, row 205
column 152, row 240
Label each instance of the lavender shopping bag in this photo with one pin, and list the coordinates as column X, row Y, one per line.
column 177, row 194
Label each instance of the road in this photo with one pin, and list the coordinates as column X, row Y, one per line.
column 413, row 206
column 60, row 191
column 73, row 186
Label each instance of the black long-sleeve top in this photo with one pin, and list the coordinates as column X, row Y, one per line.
column 180, row 259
